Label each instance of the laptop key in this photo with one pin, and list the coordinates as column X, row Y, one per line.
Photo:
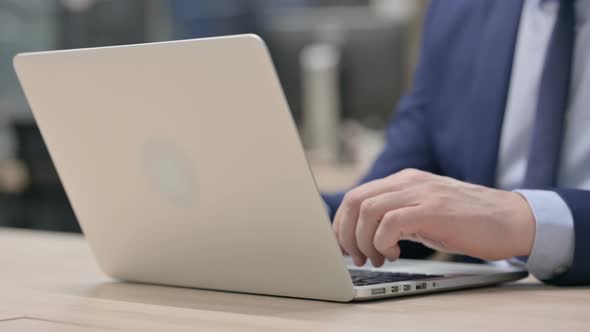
column 365, row 277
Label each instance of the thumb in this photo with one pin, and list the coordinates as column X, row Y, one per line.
column 397, row 225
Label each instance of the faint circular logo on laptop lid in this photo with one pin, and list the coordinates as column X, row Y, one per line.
column 170, row 172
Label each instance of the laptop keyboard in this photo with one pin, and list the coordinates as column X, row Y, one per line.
column 364, row 277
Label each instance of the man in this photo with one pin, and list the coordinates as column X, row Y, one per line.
column 500, row 99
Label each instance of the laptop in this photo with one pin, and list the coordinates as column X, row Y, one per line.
column 184, row 167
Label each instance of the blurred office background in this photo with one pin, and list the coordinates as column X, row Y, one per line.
column 343, row 65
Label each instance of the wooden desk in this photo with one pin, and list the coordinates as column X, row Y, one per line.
column 50, row 282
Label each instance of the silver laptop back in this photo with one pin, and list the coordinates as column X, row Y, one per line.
column 184, row 167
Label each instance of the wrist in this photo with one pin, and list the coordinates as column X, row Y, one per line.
column 522, row 225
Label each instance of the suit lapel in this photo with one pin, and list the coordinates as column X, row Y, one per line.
column 490, row 89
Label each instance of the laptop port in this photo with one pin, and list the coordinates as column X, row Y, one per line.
column 378, row 291
column 421, row 286
column 395, row 289
column 407, row 288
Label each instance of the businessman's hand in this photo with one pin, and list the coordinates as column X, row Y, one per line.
column 440, row 212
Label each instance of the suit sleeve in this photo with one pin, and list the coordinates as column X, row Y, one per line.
column 578, row 273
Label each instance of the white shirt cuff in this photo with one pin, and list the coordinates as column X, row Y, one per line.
column 553, row 249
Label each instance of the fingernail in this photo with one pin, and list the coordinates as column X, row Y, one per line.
column 359, row 261
column 376, row 263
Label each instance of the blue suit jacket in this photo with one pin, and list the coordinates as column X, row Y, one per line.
column 449, row 123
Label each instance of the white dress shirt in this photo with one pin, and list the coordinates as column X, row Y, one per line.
column 553, row 247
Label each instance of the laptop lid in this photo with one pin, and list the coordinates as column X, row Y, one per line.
column 184, row 167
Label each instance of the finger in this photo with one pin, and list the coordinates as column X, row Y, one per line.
column 337, row 235
column 371, row 213
column 348, row 213
column 393, row 227
column 346, row 235
column 430, row 243
column 336, row 229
